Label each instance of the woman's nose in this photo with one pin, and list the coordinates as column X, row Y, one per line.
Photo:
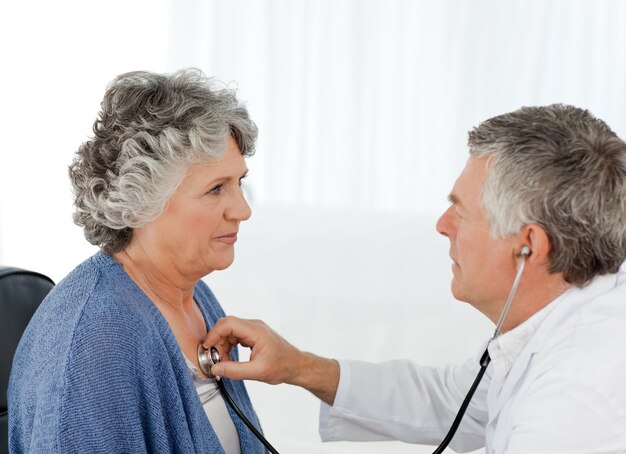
column 239, row 210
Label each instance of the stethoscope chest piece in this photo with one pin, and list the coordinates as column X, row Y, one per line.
column 207, row 358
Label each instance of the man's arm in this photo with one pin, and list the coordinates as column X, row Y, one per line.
column 273, row 360
column 396, row 400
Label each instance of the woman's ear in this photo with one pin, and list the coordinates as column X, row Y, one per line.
column 537, row 240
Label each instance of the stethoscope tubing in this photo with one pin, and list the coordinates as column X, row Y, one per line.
column 484, row 362
column 485, row 359
column 246, row 421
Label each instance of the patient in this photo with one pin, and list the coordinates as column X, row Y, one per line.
column 108, row 362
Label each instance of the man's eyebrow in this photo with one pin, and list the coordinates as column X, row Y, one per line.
column 453, row 199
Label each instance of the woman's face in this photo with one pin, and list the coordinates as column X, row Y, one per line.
column 196, row 233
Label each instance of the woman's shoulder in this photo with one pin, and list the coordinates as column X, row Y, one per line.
column 98, row 286
column 88, row 322
column 97, row 301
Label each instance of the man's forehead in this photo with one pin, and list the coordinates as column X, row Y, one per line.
column 469, row 184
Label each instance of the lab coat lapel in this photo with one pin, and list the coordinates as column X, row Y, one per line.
column 566, row 304
column 518, row 371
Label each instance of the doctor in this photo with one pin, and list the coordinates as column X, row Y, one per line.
column 550, row 178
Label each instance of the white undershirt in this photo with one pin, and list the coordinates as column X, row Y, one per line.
column 216, row 411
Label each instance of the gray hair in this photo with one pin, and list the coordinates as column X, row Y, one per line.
column 150, row 129
column 561, row 168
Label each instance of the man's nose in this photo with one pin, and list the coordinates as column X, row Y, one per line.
column 445, row 224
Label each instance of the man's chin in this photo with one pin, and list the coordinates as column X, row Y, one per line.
column 457, row 292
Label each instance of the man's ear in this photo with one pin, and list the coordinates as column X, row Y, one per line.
column 538, row 241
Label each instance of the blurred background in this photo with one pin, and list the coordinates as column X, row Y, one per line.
column 363, row 108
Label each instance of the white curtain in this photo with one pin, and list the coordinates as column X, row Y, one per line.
column 366, row 104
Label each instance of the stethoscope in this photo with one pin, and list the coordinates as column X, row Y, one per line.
column 485, row 359
column 209, row 357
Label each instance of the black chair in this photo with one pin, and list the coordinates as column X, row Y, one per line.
column 21, row 292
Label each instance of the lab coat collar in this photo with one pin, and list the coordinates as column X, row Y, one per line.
column 506, row 348
column 571, row 301
column 536, row 330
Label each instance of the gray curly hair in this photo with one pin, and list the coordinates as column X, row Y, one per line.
column 561, row 168
column 150, row 129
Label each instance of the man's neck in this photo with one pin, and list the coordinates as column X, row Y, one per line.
column 533, row 295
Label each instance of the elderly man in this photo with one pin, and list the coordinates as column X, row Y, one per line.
column 551, row 179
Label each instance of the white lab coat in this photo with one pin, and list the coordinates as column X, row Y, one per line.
column 556, row 384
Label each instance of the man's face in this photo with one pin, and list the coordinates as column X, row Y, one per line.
column 483, row 267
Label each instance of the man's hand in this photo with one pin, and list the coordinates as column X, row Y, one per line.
column 273, row 360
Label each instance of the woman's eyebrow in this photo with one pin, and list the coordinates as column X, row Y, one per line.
column 226, row 179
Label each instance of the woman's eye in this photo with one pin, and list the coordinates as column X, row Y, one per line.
column 216, row 190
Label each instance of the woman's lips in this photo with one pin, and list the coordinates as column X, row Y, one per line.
column 228, row 239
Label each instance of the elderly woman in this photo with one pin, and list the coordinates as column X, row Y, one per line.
column 108, row 362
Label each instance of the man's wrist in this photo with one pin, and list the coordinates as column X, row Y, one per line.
column 318, row 375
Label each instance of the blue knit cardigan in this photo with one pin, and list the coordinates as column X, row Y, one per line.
column 98, row 370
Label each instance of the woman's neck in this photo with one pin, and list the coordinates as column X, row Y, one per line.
column 171, row 294
column 158, row 280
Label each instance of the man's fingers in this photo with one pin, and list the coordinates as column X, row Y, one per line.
column 220, row 332
column 255, row 334
column 233, row 330
column 236, row 370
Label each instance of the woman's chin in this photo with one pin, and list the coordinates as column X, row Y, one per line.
column 222, row 264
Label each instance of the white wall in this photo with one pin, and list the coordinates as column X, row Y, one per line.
column 57, row 58
column 363, row 109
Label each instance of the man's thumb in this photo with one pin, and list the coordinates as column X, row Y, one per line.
column 234, row 370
